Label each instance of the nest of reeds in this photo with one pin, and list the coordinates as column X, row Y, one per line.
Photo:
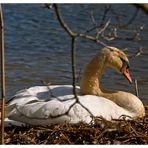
column 100, row 131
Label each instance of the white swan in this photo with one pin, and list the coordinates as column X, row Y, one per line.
column 42, row 105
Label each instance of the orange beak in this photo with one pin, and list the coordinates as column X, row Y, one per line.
column 126, row 73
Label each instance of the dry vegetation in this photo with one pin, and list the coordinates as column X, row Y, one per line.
column 99, row 131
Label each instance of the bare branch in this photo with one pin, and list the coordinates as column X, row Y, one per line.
column 62, row 22
column 73, row 60
column 49, row 6
column 138, row 53
column 143, row 7
column 133, row 17
column 95, row 26
column 103, row 29
column 91, row 38
column 107, row 9
column 136, row 88
column 130, row 21
column 135, row 35
column 93, row 18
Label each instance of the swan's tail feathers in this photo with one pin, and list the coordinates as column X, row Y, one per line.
column 8, row 113
column 9, row 123
column 9, row 110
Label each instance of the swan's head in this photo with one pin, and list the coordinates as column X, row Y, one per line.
column 118, row 60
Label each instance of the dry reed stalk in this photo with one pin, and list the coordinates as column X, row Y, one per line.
column 2, row 76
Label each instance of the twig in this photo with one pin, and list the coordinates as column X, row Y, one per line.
column 133, row 17
column 136, row 88
column 103, row 29
column 73, row 63
column 95, row 26
column 49, row 6
column 107, row 9
column 131, row 20
column 2, row 77
column 138, row 53
column 143, row 7
column 136, row 36
column 62, row 23
column 91, row 38
column 92, row 18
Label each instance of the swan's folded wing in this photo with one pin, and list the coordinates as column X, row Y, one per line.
column 38, row 113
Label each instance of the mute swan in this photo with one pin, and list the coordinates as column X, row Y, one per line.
column 42, row 105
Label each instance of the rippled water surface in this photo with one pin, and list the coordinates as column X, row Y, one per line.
column 38, row 49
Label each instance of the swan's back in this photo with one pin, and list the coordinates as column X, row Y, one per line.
column 42, row 105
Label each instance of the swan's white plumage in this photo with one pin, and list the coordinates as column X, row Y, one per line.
column 46, row 105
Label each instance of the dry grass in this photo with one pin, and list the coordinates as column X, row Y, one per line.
column 99, row 131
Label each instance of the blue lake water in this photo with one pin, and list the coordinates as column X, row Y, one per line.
column 37, row 48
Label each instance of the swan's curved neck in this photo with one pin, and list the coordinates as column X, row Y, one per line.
column 93, row 72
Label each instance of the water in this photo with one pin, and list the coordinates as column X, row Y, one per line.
column 38, row 49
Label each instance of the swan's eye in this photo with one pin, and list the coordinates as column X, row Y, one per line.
column 125, row 63
column 127, row 66
column 111, row 49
